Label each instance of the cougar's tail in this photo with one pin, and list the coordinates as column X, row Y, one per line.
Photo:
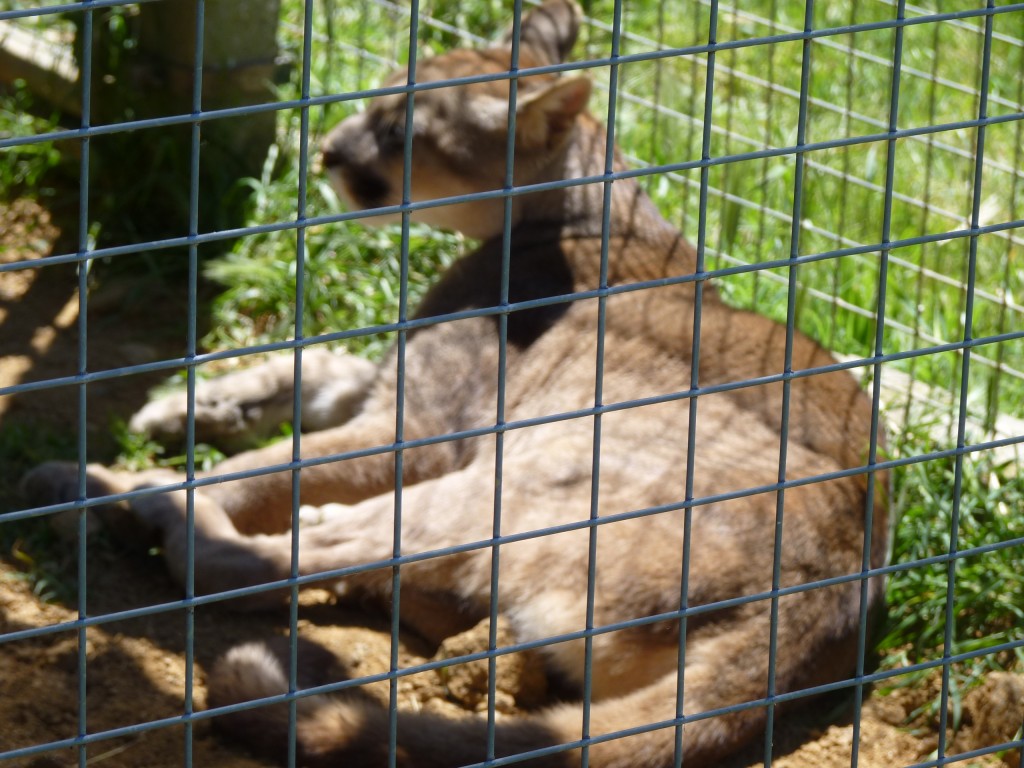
column 349, row 729
column 258, row 670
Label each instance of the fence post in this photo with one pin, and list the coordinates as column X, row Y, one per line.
column 240, row 60
column 145, row 68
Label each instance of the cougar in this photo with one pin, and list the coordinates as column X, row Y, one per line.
column 576, row 394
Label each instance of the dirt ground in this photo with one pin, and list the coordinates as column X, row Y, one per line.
column 136, row 668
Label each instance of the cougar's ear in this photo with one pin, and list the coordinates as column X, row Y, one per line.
column 543, row 118
column 550, row 29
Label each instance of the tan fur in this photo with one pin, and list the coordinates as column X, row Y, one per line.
column 452, row 374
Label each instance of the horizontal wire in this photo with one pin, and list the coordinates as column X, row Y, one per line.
column 874, row 677
column 422, row 322
column 495, row 76
column 340, row 573
column 228, row 234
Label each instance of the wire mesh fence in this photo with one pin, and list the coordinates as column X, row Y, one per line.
column 851, row 170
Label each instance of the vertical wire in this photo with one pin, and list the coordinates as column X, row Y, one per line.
column 691, row 437
column 727, row 168
column 992, row 406
column 876, row 392
column 837, row 264
column 595, row 474
column 190, row 370
column 499, row 417
column 769, row 104
column 953, row 384
column 958, row 471
column 798, row 191
column 83, row 367
column 300, row 312
column 656, row 118
column 361, row 36
column 693, row 105
column 403, row 311
column 331, row 62
column 925, row 215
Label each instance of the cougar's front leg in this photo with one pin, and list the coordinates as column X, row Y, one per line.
column 263, row 503
column 161, row 519
column 225, row 559
column 222, row 557
column 236, row 410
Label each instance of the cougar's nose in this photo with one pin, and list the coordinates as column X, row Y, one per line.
column 336, row 149
column 332, row 158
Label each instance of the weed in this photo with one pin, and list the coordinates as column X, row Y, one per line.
column 138, row 452
column 988, row 590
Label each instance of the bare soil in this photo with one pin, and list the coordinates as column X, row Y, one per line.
column 136, row 668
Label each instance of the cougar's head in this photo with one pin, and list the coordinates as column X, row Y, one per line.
column 460, row 132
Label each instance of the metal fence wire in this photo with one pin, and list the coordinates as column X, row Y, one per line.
column 852, row 170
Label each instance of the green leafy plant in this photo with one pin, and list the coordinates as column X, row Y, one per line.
column 23, row 167
column 988, row 588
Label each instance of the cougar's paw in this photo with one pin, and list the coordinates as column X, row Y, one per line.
column 237, row 410
column 218, row 417
column 57, row 482
column 336, row 391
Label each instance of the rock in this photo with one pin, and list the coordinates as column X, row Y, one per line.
column 520, row 682
column 993, row 714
